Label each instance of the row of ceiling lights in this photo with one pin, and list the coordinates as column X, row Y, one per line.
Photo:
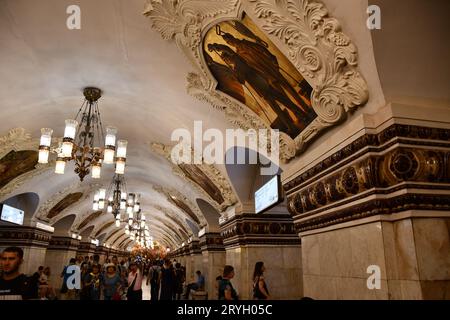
column 81, row 135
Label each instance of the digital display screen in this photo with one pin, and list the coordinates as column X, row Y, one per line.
column 12, row 215
column 267, row 195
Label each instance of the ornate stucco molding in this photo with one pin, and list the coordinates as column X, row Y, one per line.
column 77, row 186
column 170, row 192
column 210, row 171
column 18, row 139
column 41, row 213
column 313, row 41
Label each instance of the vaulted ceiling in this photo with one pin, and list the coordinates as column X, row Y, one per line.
column 44, row 67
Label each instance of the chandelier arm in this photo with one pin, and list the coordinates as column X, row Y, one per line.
column 99, row 124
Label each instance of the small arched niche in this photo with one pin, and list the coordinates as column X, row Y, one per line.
column 27, row 202
column 63, row 226
column 248, row 170
column 211, row 215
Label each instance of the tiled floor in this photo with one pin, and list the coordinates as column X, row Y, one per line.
column 145, row 290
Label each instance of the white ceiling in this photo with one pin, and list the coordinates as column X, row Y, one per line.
column 44, row 67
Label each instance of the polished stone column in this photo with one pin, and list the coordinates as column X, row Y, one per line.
column 33, row 242
column 213, row 252
column 249, row 238
column 194, row 261
column 379, row 201
column 59, row 252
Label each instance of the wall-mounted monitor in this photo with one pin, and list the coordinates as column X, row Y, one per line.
column 11, row 214
column 268, row 195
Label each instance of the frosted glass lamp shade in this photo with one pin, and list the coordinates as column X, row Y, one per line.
column 71, row 129
column 46, row 137
column 60, row 166
column 43, row 156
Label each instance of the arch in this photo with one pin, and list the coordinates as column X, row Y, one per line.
column 101, row 237
column 28, row 202
column 63, row 225
column 16, row 163
column 246, row 177
column 211, row 215
column 63, row 204
column 87, row 232
column 193, row 227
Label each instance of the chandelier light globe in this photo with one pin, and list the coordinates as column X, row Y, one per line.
column 60, row 165
column 71, row 129
column 96, row 171
column 108, row 156
column 118, row 222
column 122, row 149
column 44, row 145
column 43, row 156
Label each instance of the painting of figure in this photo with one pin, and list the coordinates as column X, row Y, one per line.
column 196, row 175
column 250, row 68
column 64, row 203
column 16, row 163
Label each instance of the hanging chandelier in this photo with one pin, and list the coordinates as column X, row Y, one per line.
column 138, row 229
column 115, row 199
column 81, row 135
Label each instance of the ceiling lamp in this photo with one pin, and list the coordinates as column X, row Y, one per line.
column 115, row 199
column 137, row 229
column 80, row 137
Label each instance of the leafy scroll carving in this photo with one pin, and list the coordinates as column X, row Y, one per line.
column 316, row 46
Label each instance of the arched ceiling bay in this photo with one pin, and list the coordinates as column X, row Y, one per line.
column 44, row 67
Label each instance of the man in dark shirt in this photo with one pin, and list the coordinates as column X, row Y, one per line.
column 13, row 284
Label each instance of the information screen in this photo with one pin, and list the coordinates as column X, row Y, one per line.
column 267, row 195
column 12, row 215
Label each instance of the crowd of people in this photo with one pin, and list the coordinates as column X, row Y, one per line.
column 114, row 280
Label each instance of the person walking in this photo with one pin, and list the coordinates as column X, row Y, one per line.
column 226, row 290
column 260, row 291
column 134, row 282
column 111, row 283
column 167, row 280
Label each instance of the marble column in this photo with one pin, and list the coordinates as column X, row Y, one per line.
column 249, row 238
column 59, row 252
column 213, row 253
column 195, row 260
column 31, row 240
column 379, row 201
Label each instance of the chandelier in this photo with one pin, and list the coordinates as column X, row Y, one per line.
column 138, row 230
column 116, row 199
column 81, row 147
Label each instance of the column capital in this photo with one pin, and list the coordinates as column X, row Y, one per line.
column 259, row 229
column 24, row 236
column 63, row 243
column 401, row 167
column 211, row 241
